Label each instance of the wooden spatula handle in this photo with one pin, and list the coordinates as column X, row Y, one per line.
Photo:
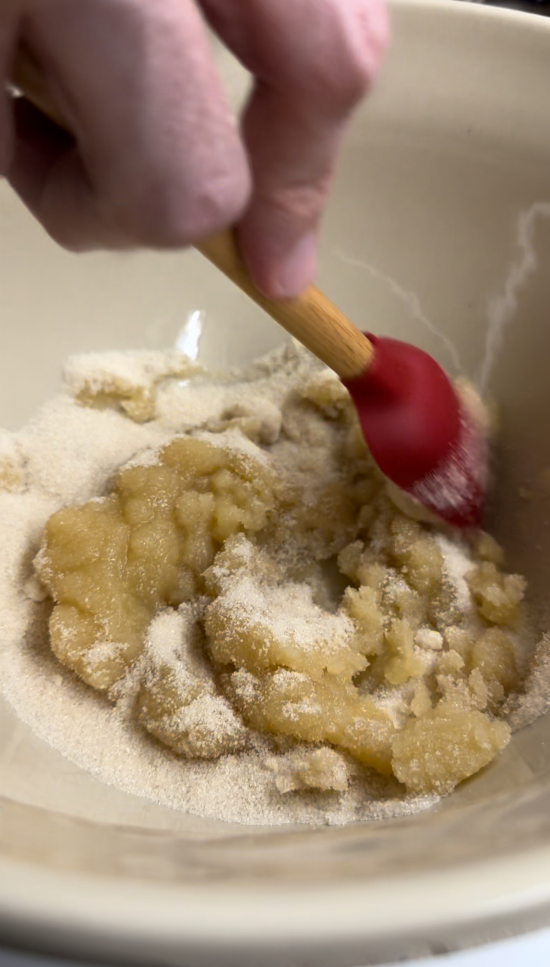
column 311, row 318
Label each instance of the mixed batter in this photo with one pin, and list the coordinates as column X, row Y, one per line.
column 228, row 567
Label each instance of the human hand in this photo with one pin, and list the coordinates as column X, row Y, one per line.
column 157, row 159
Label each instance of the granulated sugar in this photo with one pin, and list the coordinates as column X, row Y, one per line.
column 535, row 701
column 457, row 564
column 97, row 737
column 287, row 613
column 70, row 451
column 124, row 372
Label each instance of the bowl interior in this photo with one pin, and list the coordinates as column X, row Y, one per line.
column 438, row 232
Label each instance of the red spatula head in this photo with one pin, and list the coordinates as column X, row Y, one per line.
column 419, row 432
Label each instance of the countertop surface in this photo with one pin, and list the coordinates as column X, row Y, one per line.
column 531, row 951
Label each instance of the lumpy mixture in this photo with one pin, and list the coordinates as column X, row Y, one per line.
column 250, row 574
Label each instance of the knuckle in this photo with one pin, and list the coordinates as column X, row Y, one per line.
column 67, row 228
column 342, row 69
column 299, row 202
column 221, row 202
column 151, row 217
column 77, row 235
column 167, row 214
column 69, row 240
column 373, row 33
column 354, row 81
column 338, row 85
column 346, row 82
column 63, row 237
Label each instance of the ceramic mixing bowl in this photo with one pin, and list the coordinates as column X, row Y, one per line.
column 437, row 230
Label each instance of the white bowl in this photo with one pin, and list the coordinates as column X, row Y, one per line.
column 431, row 213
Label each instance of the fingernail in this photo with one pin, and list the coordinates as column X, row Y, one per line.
column 298, row 267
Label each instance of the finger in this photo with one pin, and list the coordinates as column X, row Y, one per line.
column 159, row 161
column 314, row 60
column 43, row 156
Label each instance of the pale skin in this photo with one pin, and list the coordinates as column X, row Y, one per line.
column 158, row 159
